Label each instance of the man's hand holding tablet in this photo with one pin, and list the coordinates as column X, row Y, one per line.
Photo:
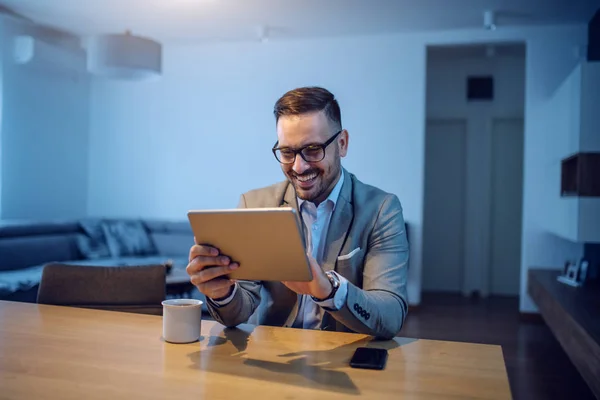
column 319, row 288
column 208, row 271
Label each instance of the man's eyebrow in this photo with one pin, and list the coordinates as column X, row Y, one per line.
column 299, row 147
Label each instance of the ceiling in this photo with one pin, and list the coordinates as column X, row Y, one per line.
column 193, row 20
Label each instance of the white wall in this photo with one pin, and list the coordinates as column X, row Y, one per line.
column 446, row 99
column 201, row 135
column 574, row 129
column 44, row 132
column 590, row 118
column 550, row 59
column 564, row 105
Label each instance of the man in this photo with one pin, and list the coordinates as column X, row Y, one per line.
column 354, row 233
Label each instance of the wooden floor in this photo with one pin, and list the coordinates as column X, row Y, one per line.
column 537, row 366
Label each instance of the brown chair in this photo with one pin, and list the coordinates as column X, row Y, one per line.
column 135, row 289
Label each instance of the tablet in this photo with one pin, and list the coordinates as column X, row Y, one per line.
column 266, row 242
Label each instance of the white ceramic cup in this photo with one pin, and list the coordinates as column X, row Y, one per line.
column 181, row 320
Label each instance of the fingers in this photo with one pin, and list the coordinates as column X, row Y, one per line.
column 208, row 274
column 202, row 250
column 315, row 268
column 202, row 256
column 201, row 262
column 207, row 269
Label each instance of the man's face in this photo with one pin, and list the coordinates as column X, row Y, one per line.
column 313, row 181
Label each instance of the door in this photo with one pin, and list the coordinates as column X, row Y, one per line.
column 506, row 206
column 443, row 218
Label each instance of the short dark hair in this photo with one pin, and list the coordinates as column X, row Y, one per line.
column 306, row 100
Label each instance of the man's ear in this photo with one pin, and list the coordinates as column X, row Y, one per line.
column 343, row 143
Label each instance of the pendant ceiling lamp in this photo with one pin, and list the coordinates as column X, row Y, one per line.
column 124, row 56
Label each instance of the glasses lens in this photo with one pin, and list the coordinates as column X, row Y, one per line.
column 285, row 156
column 313, row 153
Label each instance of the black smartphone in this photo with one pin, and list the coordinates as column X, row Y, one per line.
column 369, row 358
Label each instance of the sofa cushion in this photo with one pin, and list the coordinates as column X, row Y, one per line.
column 19, row 228
column 160, row 226
column 90, row 248
column 128, row 238
column 93, row 245
column 172, row 244
column 28, row 251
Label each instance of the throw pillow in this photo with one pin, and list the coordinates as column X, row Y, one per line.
column 128, row 238
column 93, row 244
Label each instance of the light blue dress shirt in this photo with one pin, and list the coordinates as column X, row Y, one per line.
column 316, row 219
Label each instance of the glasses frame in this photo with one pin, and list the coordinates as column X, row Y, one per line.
column 323, row 146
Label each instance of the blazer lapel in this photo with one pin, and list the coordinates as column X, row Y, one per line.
column 290, row 200
column 339, row 225
column 289, row 297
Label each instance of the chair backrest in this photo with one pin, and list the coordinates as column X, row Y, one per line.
column 137, row 289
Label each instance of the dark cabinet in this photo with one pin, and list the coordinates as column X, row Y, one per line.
column 580, row 175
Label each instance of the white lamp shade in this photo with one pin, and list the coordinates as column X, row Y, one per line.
column 124, row 57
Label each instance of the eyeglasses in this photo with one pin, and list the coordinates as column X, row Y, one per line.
column 311, row 153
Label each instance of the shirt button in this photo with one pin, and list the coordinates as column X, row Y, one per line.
column 315, row 227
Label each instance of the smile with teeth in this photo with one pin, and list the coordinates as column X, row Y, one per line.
column 306, row 178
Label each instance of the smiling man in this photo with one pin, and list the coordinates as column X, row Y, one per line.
column 355, row 236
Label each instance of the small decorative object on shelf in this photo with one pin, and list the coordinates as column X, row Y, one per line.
column 574, row 274
column 169, row 265
column 566, row 267
column 583, row 269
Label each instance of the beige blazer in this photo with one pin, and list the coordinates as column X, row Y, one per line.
column 366, row 243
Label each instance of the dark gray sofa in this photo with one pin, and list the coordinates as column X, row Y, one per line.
column 26, row 246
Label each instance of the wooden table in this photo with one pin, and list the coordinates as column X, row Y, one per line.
column 49, row 352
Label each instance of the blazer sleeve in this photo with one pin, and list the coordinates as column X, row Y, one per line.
column 381, row 306
column 243, row 304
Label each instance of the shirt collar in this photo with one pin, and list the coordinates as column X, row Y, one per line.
column 333, row 196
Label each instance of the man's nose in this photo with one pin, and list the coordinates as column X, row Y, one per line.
column 300, row 165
